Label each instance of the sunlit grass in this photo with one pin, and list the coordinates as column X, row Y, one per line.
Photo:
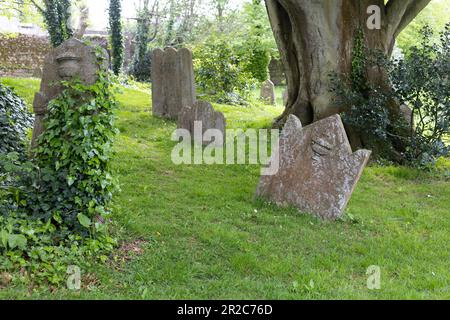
column 208, row 239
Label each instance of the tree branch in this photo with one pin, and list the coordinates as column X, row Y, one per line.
column 42, row 11
column 411, row 13
column 400, row 13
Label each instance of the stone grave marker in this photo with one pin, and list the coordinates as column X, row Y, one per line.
column 285, row 97
column 71, row 59
column 268, row 92
column 317, row 169
column 203, row 112
column 173, row 83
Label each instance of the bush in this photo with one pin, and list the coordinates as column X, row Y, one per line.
column 31, row 247
column 258, row 64
column 74, row 155
column 141, row 69
column 419, row 81
column 220, row 72
column 116, row 34
column 15, row 121
column 141, row 65
column 54, row 208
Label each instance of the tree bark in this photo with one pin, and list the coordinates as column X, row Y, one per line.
column 316, row 38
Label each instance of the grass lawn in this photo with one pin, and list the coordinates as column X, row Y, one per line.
column 207, row 239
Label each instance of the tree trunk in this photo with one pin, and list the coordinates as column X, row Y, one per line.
column 316, row 38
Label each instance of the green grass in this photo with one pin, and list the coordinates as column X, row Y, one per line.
column 208, row 239
column 24, row 87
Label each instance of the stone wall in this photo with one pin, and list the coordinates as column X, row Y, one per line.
column 21, row 55
column 277, row 72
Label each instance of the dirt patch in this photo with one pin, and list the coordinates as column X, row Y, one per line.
column 128, row 251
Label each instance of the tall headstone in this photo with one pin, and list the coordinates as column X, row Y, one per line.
column 202, row 112
column 268, row 92
column 285, row 97
column 173, row 83
column 407, row 114
column 317, row 169
column 158, row 95
column 72, row 59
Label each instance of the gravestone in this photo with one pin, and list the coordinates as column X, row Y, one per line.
column 72, row 59
column 317, row 169
column 407, row 113
column 285, row 97
column 203, row 112
column 37, row 73
column 173, row 83
column 268, row 92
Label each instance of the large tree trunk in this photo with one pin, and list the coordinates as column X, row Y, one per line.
column 316, row 38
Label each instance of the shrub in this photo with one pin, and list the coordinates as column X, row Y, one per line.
column 141, row 65
column 420, row 81
column 15, row 121
column 74, row 156
column 31, row 247
column 115, row 26
column 141, row 69
column 258, row 63
column 54, row 208
column 220, row 72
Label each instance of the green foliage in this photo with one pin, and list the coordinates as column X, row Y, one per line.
column 365, row 103
column 367, row 113
column 215, row 253
column 421, row 81
column 115, row 28
column 359, row 64
column 221, row 72
column 435, row 15
column 56, row 15
column 54, row 208
column 141, row 66
column 257, row 62
column 15, row 121
column 31, row 246
column 257, row 40
column 24, row 10
column 236, row 54
column 74, row 154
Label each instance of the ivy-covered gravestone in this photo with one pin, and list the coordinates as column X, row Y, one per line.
column 72, row 60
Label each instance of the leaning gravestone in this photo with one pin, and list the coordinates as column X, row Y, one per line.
column 204, row 113
column 173, row 83
column 72, row 59
column 317, row 169
column 268, row 92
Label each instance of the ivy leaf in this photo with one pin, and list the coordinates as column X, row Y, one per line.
column 17, row 241
column 4, row 238
column 70, row 180
column 84, row 221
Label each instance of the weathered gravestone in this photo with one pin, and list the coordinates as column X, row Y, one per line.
column 37, row 73
column 202, row 112
column 407, row 113
column 72, row 59
column 317, row 169
column 285, row 97
column 268, row 92
column 173, row 83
